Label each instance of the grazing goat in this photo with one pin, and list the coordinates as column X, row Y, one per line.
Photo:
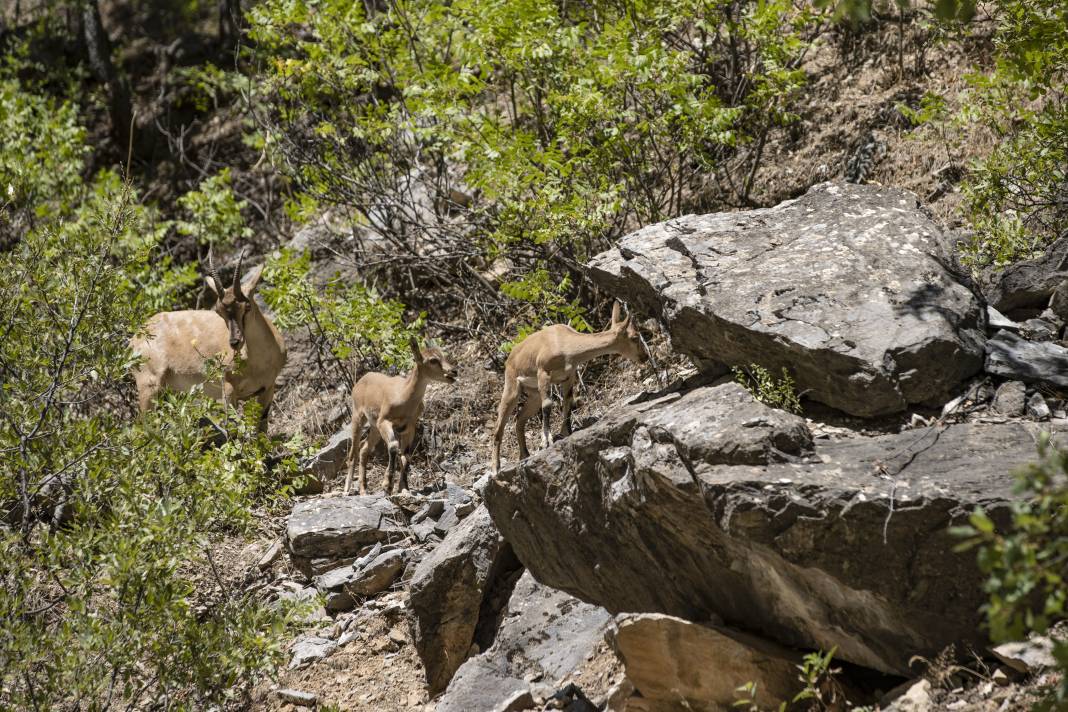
column 176, row 345
column 552, row 356
column 392, row 405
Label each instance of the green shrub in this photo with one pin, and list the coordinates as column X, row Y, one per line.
column 103, row 611
column 214, row 213
column 351, row 327
column 1028, row 563
column 766, row 388
column 564, row 125
column 1017, row 197
column 42, row 152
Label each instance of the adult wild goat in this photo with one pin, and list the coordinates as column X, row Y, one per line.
column 176, row 345
column 552, row 356
column 392, row 406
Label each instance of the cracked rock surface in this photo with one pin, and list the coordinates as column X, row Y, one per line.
column 710, row 505
column 841, row 286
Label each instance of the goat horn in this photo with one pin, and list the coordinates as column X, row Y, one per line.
column 212, row 272
column 237, row 275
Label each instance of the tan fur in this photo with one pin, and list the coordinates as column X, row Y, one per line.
column 392, row 406
column 175, row 346
column 552, row 356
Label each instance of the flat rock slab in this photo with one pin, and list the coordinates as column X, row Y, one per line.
column 545, row 635
column 674, row 661
column 840, row 286
column 341, row 527
column 812, row 543
column 1011, row 356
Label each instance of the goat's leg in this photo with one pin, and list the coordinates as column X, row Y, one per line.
column 544, row 386
column 504, row 410
column 355, row 451
column 385, row 428
column 148, row 385
column 526, row 411
column 407, row 436
column 265, row 399
column 567, row 393
column 369, row 445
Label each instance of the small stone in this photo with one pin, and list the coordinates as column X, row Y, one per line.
column 1027, row 657
column 308, row 650
column 518, row 701
column 449, row 519
column 916, row 699
column 996, row 320
column 424, row 529
column 1038, row 330
column 396, row 634
column 298, row 697
column 270, row 556
column 1001, row 678
column 1010, row 398
column 431, row 510
column 378, row 574
column 1037, row 408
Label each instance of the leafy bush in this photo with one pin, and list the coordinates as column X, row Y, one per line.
column 1028, row 564
column 42, row 150
column 524, row 131
column 100, row 608
column 1017, row 198
column 349, row 324
column 766, row 388
column 214, row 213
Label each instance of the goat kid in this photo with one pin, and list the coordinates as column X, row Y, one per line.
column 175, row 347
column 552, row 356
column 392, row 406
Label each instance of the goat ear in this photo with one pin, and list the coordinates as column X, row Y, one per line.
column 615, row 313
column 414, row 344
column 249, row 287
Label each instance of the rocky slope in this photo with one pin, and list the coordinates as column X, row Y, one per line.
column 692, row 540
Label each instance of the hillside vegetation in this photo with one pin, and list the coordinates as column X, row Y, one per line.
column 430, row 169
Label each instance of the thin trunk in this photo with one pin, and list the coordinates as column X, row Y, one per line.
column 98, row 49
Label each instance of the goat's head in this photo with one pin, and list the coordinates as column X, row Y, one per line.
column 628, row 340
column 233, row 303
column 434, row 363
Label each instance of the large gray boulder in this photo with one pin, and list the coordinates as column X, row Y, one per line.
column 709, row 504
column 841, row 286
column 449, row 591
column 545, row 635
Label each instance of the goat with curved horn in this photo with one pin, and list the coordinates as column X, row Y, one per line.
column 176, row 345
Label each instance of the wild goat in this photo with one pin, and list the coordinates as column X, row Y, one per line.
column 176, row 345
column 392, row 405
column 552, row 356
